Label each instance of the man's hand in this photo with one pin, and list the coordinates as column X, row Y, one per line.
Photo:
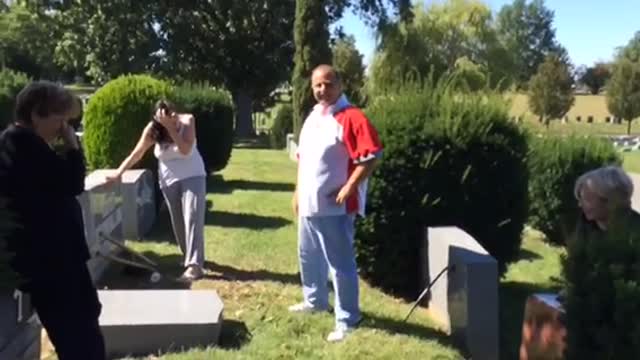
column 344, row 193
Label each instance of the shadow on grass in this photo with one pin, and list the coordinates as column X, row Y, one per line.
column 513, row 297
column 127, row 277
column 244, row 220
column 228, row 273
column 257, row 142
column 234, row 335
column 217, row 185
column 397, row 326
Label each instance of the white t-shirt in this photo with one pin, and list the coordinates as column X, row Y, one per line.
column 173, row 166
column 333, row 141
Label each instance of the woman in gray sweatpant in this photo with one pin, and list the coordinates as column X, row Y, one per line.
column 182, row 178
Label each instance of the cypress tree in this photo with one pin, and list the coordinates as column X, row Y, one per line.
column 311, row 37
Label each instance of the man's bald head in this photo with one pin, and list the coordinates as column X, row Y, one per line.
column 325, row 84
column 326, row 70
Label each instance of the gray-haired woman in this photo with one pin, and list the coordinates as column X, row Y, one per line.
column 604, row 195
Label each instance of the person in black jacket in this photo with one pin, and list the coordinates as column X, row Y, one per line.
column 50, row 251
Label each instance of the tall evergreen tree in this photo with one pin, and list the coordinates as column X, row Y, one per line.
column 311, row 36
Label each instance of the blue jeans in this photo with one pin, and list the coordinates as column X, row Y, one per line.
column 326, row 243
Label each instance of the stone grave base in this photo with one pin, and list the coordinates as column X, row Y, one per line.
column 144, row 322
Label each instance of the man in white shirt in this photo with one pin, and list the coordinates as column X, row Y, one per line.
column 338, row 149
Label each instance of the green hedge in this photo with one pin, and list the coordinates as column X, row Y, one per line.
column 115, row 117
column 555, row 163
column 602, row 304
column 11, row 83
column 282, row 125
column 214, row 114
column 448, row 160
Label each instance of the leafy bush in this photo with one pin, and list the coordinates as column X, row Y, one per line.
column 282, row 125
column 11, row 82
column 448, row 160
column 555, row 163
column 8, row 278
column 213, row 110
column 115, row 117
column 602, row 304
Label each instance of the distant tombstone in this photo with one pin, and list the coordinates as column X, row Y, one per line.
column 590, row 119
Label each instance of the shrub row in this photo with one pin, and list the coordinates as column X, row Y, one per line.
column 448, row 160
column 11, row 82
column 455, row 159
column 555, row 163
column 117, row 113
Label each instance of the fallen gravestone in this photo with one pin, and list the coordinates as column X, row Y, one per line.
column 138, row 323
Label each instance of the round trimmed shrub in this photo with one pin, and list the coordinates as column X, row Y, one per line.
column 115, row 117
column 555, row 163
column 11, row 83
column 282, row 125
column 213, row 111
column 449, row 160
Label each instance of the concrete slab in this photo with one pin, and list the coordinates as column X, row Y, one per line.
column 143, row 322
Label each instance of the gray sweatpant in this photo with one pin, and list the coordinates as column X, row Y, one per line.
column 186, row 200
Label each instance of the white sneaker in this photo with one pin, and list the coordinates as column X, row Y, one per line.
column 339, row 334
column 303, row 308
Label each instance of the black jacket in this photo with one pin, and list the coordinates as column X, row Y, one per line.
column 41, row 188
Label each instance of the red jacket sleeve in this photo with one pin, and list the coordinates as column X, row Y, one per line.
column 360, row 136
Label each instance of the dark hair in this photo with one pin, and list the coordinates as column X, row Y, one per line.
column 158, row 133
column 45, row 98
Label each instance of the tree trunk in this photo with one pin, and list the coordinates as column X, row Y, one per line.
column 547, row 122
column 244, row 124
column 629, row 127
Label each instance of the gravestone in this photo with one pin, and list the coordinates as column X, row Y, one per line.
column 143, row 322
column 138, row 203
column 102, row 214
column 19, row 328
column 464, row 300
column 292, row 147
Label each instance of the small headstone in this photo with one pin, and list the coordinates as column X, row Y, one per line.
column 143, row 322
column 464, row 301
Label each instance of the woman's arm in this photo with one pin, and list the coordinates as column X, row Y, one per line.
column 144, row 143
column 184, row 141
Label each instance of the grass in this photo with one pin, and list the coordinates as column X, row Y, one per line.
column 252, row 263
column 632, row 161
column 535, row 272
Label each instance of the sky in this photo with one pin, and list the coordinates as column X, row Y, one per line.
column 590, row 30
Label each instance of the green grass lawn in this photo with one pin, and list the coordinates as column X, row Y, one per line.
column 632, row 161
column 252, row 264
